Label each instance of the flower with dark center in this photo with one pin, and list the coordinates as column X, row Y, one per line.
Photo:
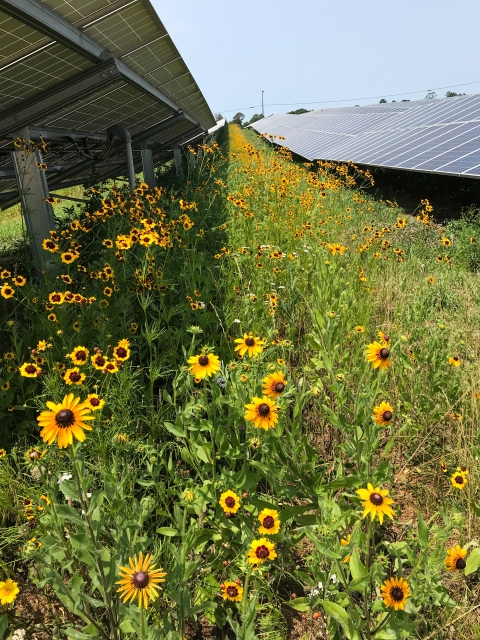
column 274, row 384
column 29, row 370
column 122, row 351
column 378, row 355
column 269, row 522
column 229, row 501
column 375, row 502
column 74, row 376
column 262, row 412
column 260, row 551
column 250, row 345
column 395, row 592
column 459, row 480
column 140, row 580
column 204, row 365
column 65, row 420
column 79, row 355
column 383, row 413
column 231, row 591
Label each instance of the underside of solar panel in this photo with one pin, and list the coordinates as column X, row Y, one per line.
column 72, row 69
column 440, row 136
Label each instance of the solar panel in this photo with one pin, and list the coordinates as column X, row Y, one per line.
column 424, row 135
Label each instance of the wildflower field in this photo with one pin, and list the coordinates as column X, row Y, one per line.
column 242, row 407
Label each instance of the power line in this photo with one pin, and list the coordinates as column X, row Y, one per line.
column 392, row 95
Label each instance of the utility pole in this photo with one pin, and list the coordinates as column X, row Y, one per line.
column 263, row 112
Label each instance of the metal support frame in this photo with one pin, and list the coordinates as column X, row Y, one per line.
column 177, row 155
column 193, row 160
column 147, row 165
column 121, row 131
column 37, row 212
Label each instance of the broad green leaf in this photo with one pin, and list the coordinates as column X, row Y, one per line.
column 299, row 604
column 168, row 531
column 473, row 561
column 356, row 567
column 3, row 625
column 126, row 626
column 340, row 616
column 423, row 533
column 177, row 431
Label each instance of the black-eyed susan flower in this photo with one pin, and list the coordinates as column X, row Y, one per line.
column 378, row 355
column 269, row 522
column 250, row 345
column 8, row 591
column 231, row 591
column 74, row 376
column 65, row 420
column 375, row 502
column 255, row 443
column 34, row 454
column 454, row 361
column 262, row 412
column 274, row 384
column 94, row 401
column 455, row 560
column 359, row 329
column 459, row 480
column 229, row 501
column 383, row 414
column 206, row 364
column 395, row 592
column 384, row 338
column 79, row 355
column 140, row 580
column 29, row 370
column 260, row 551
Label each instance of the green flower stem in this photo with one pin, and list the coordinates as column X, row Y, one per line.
column 182, row 572
column 367, row 567
column 88, row 520
column 376, row 629
column 142, row 624
column 245, row 603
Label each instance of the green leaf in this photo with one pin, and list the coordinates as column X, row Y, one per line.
column 321, row 548
column 340, row 616
column 473, row 561
column 3, row 625
column 423, row 533
column 342, row 483
column 299, row 604
column 202, row 454
column 69, row 513
column 126, row 626
column 168, row 531
column 291, row 512
column 78, row 635
column 177, row 431
column 356, row 567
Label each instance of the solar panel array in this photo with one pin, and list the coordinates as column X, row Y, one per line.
column 85, row 65
column 441, row 136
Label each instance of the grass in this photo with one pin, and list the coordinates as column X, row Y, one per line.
column 299, row 259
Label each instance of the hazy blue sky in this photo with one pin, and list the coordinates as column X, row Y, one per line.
column 301, row 51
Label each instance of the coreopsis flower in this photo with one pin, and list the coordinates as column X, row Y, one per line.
column 7, row 291
column 260, row 551
column 8, row 591
column 3, row 453
column 375, row 502
column 229, row 501
column 50, row 245
column 459, row 480
column 29, row 370
column 359, row 329
column 20, row 281
column 454, row 361
column 262, row 412
column 455, row 559
column 378, row 355
column 65, row 420
column 395, row 592
column 122, row 351
column 140, row 580
column 79, row 355
column 250, row 345
column 56, row 297
column 269, row 522
column 74, row 376
column 383, row 414
column 206, row 364
column 274, row 384
column 231, row 591
column 94, row 401
column 99, row 361
column 111, row 367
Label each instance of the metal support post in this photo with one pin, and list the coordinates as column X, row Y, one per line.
column 120, row 131
column 147, row 164
column 177, row 155
column 37, row 212
column 193, row 160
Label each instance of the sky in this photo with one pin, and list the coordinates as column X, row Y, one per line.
column 335, row 53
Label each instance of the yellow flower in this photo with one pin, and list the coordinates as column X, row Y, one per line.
column 395, row 592
column 7, row 291
column 34, row 454
column 74, row 376
column 378, row 355
column 384, row 338
column 29, row 370
column 250, row 345
column 260, row 551
column 454, row 361
column 8, row 591
column 111, row 367
column 122, row 351
column 94, row 402
column 65, row 420
column 459, row 480
column 57, row 297
column 231, row 591
column 375, row 502
column 262, row 412
column 141, row 580
column 79, row 355
column 229, row 501
column 3, row 453
column 269, row 522
column 455, row 559
column 382, row 414
column 206, row 364
column 360, row 329
column 274, row 384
